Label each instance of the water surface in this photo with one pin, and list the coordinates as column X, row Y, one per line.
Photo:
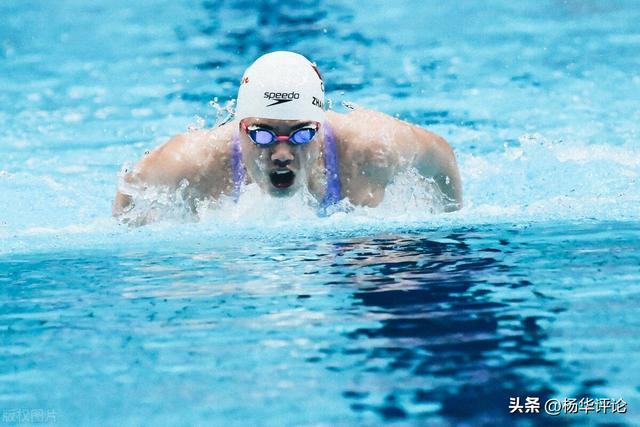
column 262, row 313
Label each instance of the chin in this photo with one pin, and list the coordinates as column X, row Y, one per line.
column 282, row 192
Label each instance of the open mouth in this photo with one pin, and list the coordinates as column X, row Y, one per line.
column 282, row 178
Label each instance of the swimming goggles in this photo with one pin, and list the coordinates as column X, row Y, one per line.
column 263, row 136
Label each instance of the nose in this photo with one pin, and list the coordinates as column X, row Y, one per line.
column 282, row 155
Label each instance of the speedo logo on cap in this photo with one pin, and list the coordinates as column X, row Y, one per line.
column 281, row 97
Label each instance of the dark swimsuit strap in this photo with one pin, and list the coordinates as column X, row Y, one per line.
column 331, row 167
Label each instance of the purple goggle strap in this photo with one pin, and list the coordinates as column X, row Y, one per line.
column 334, row 190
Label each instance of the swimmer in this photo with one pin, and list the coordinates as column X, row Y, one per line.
column 283, row 140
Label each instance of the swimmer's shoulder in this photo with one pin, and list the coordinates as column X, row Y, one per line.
column 347, row 129
column 363, row 127
column 362, row 134
column 365, row 130
column 363, row 121
column 196, row 145
column 189, row 155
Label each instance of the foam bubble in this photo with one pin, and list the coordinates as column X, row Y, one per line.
column 544, row 180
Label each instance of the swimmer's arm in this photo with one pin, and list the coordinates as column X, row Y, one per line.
column 430, row 154
column 434, row 158
column 156, row 168
column 186, row 156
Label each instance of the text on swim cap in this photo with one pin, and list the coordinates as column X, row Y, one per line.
column 281, row 95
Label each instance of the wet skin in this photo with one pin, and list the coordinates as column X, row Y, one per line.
column 372, row 149
column 280, row 169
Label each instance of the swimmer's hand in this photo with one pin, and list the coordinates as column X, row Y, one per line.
column 436, row 159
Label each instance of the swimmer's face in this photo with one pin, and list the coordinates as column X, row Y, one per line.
column 281, row 168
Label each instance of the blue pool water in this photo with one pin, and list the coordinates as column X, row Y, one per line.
column 264, row 314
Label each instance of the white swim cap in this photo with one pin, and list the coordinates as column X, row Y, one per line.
column 281, row 85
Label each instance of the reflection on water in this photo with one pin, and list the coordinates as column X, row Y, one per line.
column 449, row 346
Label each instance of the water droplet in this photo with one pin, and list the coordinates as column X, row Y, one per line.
column 199, row 124
column 224, row 112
